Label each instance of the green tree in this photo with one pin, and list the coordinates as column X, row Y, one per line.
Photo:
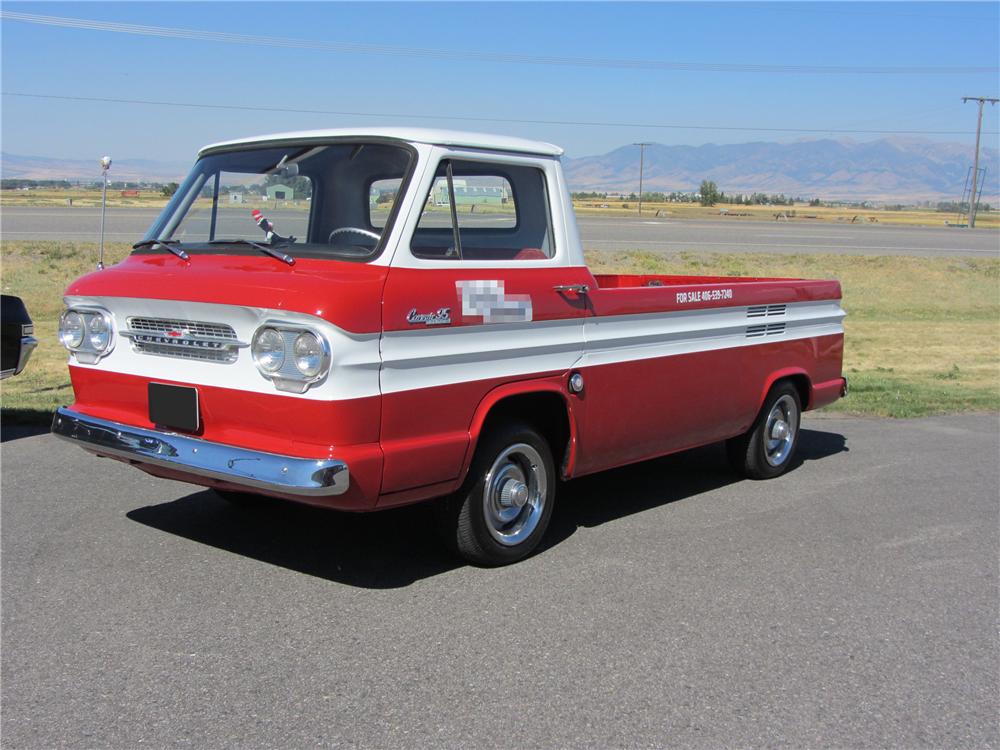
column 169, row 189
column 709, row 193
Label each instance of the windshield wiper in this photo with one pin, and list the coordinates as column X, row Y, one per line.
column 273, row 250
column 171, row 245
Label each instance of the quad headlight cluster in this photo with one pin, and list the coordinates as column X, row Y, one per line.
column 88, row 333
column 290, row 356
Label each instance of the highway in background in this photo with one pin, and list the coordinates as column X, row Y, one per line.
column 598, row 233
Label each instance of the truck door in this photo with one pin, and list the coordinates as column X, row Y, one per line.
column 470, row 304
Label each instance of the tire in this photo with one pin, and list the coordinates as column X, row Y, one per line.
column 503, row 508
column 243, row 500
column 767, row 449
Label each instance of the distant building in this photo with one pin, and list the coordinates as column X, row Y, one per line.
column 280, row 193
column 466, row 195
column 130, row 193
column 236, row 197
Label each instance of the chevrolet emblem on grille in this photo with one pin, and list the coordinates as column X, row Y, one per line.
column 210, row 342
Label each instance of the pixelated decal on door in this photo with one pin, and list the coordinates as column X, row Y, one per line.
column 487, row 299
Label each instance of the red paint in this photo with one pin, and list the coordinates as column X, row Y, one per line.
column 427, row 290
column 345, row 294
column 632, row 295
column 826, row 393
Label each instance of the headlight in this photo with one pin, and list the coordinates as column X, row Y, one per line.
column 308, row 354
column 71, row 329
column 99, row 331
column 269, row 350
column 291, row 356
column 87, row 332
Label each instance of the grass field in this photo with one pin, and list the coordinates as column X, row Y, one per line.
column 923, row 334
column 798, row 214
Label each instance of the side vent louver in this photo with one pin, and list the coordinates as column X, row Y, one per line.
column 765, row 329
column 765, row 311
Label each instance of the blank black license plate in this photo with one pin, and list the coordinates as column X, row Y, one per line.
column 173, row 406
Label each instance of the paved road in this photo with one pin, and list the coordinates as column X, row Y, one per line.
column 599, row 233
column 851, row 603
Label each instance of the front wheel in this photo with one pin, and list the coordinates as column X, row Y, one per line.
column 767, row 448
column 503, row 508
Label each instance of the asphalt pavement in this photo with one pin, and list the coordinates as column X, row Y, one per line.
column 851, row 603
column 598, row 233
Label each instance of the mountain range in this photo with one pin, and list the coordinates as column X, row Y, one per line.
column 891, row 169
column 14, row 166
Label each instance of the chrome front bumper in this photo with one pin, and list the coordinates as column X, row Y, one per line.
column 269, row 472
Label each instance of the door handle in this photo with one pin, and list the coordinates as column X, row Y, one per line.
column 578, row 288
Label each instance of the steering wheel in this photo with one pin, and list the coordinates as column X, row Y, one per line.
column 356, row 230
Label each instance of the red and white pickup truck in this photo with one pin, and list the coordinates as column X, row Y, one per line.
column 366, row 319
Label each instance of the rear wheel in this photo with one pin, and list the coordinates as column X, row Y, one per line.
column 503, row 508
column 767, row 448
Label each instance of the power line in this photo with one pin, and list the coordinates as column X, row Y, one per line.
column 167, row 32
column 467, row 118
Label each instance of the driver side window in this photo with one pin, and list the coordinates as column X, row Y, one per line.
column 481, row 211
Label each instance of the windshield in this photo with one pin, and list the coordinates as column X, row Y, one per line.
column 336, row 200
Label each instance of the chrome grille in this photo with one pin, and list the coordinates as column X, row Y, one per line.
column 184, row 339
column 194, row 327
column 203, row 355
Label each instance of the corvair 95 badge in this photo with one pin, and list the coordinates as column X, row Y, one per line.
column 438, row 318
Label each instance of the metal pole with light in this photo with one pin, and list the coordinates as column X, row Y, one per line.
column 105, row 166
column 642, row 154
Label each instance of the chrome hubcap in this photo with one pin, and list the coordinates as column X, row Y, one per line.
column 514, row 494
column 779, row 431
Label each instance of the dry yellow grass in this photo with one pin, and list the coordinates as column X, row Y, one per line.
column 799, row 213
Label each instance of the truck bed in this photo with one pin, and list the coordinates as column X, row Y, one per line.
column 630, row 280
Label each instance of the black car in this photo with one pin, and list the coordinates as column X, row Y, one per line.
column 16, row 341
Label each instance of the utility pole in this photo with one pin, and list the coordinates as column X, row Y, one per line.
column 973, row 200
column 642, row 153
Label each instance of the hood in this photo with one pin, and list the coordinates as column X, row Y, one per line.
column 346, row 294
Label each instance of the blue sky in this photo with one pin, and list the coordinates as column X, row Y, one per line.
column 42, row 59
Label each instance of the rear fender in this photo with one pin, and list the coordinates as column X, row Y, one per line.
column 802, row 382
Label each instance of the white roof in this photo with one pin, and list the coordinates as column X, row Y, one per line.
column 415, row 135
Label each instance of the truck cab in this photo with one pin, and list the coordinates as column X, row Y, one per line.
column 394, row 315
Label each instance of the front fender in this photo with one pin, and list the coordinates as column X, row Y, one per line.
column 555, row 384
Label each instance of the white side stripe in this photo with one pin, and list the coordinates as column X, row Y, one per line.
column 433, row 358
column 625, row 338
